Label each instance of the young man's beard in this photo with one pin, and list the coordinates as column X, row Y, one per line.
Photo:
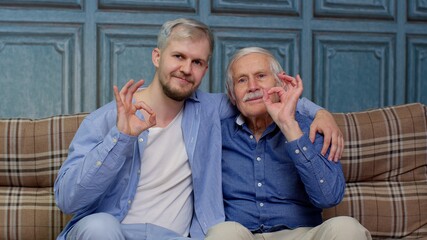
column 174, row 94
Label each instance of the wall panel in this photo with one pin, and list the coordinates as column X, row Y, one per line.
column 417, row 10
column 40, row 70
column 150, row 5
column 354, row 71
column 275, row 7
column 125, row 53
column 375, row 9
column 51, row 4
column 417, row 74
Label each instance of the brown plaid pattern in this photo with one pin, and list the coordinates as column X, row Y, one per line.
column 385, row 165
column 31, row 152
column 384, row 162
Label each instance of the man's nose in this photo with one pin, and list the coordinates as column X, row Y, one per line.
column 252, row 84
column 186, row 67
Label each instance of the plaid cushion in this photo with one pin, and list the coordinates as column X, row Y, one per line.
column 385, row 166
column 31, row 152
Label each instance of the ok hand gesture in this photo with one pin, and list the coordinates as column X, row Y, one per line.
column 127, row 121
column 282, row 110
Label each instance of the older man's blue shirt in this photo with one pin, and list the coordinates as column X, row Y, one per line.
column 273, row 184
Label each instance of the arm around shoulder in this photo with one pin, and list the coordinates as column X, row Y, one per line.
column 307, row 108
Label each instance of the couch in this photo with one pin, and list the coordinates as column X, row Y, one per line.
column 385, row 166
column 384, row 162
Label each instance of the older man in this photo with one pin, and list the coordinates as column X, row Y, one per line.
column 275, row 180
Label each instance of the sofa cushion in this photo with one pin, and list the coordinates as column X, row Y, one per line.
column 29, row 213
column 31, row 153
column 385, row 166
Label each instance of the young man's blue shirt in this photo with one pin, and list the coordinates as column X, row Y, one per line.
column 273, row 184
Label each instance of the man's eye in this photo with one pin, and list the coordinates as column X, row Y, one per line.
column 241, row 80
column 178, row 56
column 197, row 62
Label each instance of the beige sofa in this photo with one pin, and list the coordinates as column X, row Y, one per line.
column 385, row 164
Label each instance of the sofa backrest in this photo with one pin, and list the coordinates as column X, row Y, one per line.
column 385, row 166
column 31, row 153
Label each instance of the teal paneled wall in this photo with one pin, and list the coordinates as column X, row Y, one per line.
column 64, row 56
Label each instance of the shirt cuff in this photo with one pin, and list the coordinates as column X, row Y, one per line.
column 301, row 149
column 118, row 144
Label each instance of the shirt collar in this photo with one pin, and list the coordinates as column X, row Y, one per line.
column 240, row 120
column 194, row 97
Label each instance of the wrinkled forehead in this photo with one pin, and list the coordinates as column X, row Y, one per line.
column 251, row 62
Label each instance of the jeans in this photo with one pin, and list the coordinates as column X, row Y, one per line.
column 105, row 226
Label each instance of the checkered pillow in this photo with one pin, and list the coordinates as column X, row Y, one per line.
column 31, row 153
column 385, row 165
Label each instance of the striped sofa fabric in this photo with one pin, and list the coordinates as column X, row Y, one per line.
column 384, row 162
column 31, row 152
column 385, row 166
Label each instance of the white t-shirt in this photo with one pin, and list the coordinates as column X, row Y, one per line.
column 164, row 193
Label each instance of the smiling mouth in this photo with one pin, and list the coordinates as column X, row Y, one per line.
column 181, row 79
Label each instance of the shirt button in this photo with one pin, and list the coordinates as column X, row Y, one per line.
column 140, row 140
column 261, row 204
column 259, row 184
column 139, row 172
column 251, row 136
column 98, row 163
column 321, row 181
column 258, row 159
column 114, row 140
column 297, row 151
column 129, row 202
column 304, row 148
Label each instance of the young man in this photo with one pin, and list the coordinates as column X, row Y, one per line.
column 275, row 180
column 148, row 165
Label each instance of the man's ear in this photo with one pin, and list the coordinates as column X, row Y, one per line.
column 155, row 57
column 206, row 69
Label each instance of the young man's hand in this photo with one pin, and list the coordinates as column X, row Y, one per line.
column 325, row 123
column 127, row 121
